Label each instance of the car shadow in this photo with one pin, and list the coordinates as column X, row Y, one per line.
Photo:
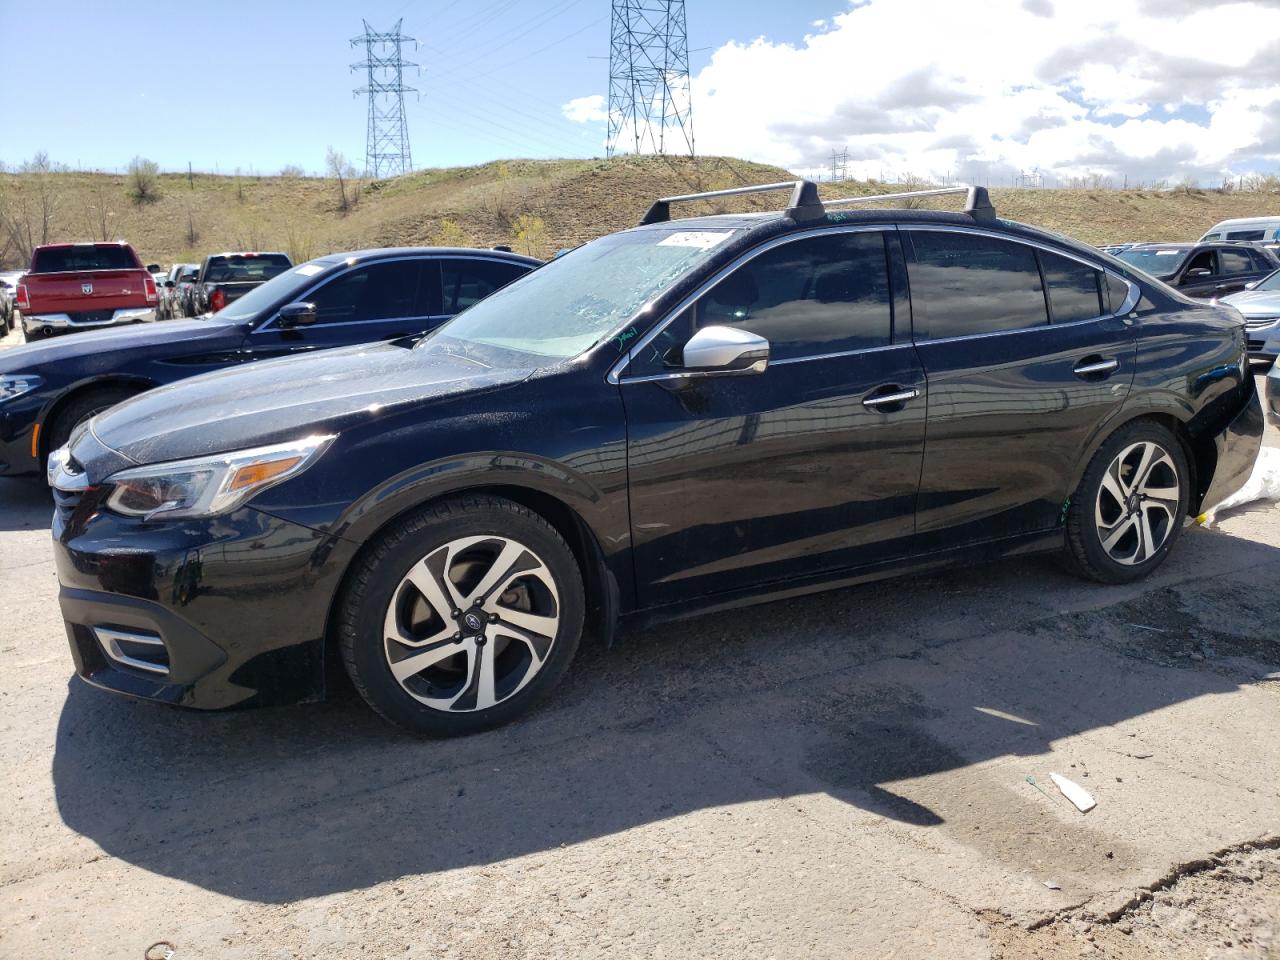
column 25, row 504
column 862, row 693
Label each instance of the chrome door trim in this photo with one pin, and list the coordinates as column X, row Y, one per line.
column 1102, row 366
column 615, row 372
column 902, row 396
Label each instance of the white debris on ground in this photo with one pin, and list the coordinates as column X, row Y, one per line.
column 1263, row 484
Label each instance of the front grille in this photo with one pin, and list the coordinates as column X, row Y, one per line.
column 1258, row 323
column 135, row 649
column 65, row 502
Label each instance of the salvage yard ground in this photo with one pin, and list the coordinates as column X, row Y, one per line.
column 838, row 776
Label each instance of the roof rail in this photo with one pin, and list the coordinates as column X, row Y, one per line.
column 977, row 204
column 806, row 205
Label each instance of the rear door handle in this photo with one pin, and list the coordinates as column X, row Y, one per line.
column 890, row 396
column 1096, row 366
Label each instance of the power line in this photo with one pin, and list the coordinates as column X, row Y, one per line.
column 649, row 77
column 387, row 150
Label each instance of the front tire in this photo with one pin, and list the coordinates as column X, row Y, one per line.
column 1129, row 508
column 461, row 616
column 81, row 409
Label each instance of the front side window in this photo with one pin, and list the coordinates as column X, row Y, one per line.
column 380, row 291
column 467, row 282
column 1074, row 293
column 964, row 284
column 1205, row 260
column 820, row 295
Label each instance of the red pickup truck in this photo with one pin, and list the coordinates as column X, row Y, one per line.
column 81, row 286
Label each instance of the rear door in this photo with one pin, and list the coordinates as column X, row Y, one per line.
column 1025, row 360
column 369, row 302
column 1236, row 268
column 808, row 467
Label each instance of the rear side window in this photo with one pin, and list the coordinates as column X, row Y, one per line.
column 1236, row 261
column 62, row 259
column 380, row 291
column 1246, row 235
column 470, row 281
column 1118, row 291
column 246, row 267
column 964, row 284
column 1074, row 292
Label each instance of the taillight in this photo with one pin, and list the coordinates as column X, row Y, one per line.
column 149, row 288
column 23, row 302
column 217, row 300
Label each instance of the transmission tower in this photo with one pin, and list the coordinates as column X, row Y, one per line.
column 386, row 151
column 840, row 165
column 649, row 103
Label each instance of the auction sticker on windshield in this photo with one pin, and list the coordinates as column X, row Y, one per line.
column 309, row 269
column 702, row 239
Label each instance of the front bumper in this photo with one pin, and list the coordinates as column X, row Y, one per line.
column 1236, row 448
column 210, row 614
column 1263, row 337
column 63, row 322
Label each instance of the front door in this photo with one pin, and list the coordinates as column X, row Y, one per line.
column 803, row 469
column 1026, row 361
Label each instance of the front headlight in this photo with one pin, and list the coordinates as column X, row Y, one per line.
column 208, row 486
column 16, row 384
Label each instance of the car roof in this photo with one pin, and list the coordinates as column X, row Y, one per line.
column 378, row 253
column 1240, row 221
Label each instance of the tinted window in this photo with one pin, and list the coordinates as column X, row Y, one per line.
column 241, row 267
column 964, row 284
column 1119, row 292
column 1073, row 288
column 84, row 258
column 1245, row 235
column 380, row 291
column 1204, row 260
column 825, row 294
column 470, row 281
column 1236, row 261
column 1157, row 261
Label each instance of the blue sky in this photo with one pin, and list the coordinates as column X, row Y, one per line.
column 262, row 85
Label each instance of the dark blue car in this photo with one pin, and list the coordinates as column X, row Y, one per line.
column 48, row 389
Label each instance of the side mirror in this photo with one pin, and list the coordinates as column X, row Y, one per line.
column 168, row 284
column 1197, row 273
column 297, row 315
column 726, row 350
column 1251, row 284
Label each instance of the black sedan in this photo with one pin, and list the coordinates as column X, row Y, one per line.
column 1203, row 270
column 48, row 389
column 668, row 420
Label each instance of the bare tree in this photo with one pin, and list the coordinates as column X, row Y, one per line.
column 97, row 209
column 342, row 170
column 144, row 180
column 28, row 209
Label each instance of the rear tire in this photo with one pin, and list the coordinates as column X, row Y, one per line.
column 1129, row 507
column 461, row 616
column 79, row 410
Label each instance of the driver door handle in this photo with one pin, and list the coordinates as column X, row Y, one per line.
column 1096, row 366
column 890, row 396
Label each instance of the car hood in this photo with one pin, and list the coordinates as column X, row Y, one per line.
column 278, row 400
column 99, row 346
column 1255, row 303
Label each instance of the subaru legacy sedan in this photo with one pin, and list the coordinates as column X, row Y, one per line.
column 668, row 420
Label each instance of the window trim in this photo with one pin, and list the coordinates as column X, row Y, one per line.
column 269, row 324
column 615, row 371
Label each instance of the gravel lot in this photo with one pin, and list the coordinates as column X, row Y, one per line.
column 839, row 776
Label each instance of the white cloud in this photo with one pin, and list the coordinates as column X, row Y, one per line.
column 586, row 109
column 1121, row 88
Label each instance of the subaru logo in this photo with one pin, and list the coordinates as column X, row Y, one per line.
column 86, row 288
column 473, row 621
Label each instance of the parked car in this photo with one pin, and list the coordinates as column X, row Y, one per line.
column 226, row 277
column 1202, row 270
column 80, row 286
column 1260, row 305
column 1273, row 390
column 46, row 390
column 672, row 419
column 1245, row 228
column 8, row 296
column 175, row 290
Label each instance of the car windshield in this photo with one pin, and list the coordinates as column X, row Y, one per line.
column 1157, row 261
column 280, row 289
column 566, row 307
column 1270, row 283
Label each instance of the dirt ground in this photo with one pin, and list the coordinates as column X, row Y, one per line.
column 847, row 775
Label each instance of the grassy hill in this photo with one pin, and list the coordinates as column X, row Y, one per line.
column 562, row 203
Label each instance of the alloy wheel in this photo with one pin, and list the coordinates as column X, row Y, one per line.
column 471, row 623
column 1138, row 503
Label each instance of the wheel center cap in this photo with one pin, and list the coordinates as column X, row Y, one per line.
column 1133, row 503
column 472, row 622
